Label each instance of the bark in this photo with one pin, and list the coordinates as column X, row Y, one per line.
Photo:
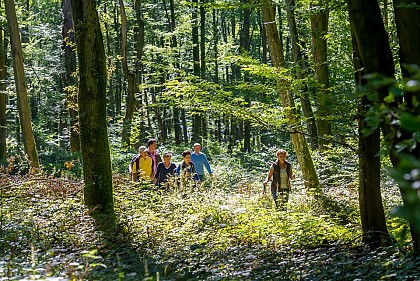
column 293, row 121
column 70, row 83
column 263, row 43
column 131, row 80
column 196, row 62
column 119, row 86
column 174, row 44
column 3, row 100
column 184, row 126
column 92, row 107
column 369, row 35
column 407, row 18
column 319, row 29
column 301, row 73
column 21, row 87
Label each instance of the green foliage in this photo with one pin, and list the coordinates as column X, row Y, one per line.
column 225, row 229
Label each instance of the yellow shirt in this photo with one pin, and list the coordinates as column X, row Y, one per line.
column 145, row 167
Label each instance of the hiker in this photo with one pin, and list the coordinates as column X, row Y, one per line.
column 164, row 170
column 142, row 166
column 200, row 160
column 186, row 169
column 152, row 145
column 281, row 172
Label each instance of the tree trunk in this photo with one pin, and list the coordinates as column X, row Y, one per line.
column 119, row 87
column 196, row 63
column 407, row 18
column 131, row 81
column 92, row 107
column 174, row 45
column 245, row 44
column 184, row 126
column 299, row 143
column 21, row 87
column 369, row 36
column 3, row 100
column 319, row 29
column 70, row 83
column 301, row 73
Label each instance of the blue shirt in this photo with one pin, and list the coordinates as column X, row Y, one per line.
column 200, row 160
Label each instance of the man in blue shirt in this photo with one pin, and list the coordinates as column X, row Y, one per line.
column 200, row 160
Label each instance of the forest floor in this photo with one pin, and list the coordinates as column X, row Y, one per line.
column 226, row 230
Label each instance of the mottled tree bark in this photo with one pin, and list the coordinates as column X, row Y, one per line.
column 70, row 82
column 130, row 101
column 299, row 143
column 21, row 87
column 92, row 107
column 369, row 36
column 319, row 30
column 3, row 99
column 407, row 18
column 301, row 73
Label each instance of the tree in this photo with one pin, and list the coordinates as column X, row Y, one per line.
column 21, row 87
column 301, row 74
column 131, row 80
column 407, row 18
column 319, row 28
column 370, row 36
column 92, row 106
column 299, row 143
column 3, row 123
column 70, row 83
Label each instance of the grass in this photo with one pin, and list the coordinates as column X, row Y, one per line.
column 227, row 230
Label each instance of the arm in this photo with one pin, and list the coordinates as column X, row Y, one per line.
column 292, row 175
column 134, row 171
column 206, row 163
column 269, row 175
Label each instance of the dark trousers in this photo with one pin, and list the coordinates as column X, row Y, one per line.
column 280, row 195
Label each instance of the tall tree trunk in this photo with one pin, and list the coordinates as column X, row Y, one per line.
column 139, row 34
column 245, row 44
column 370, row 199
column 184, row 126
column 264, row 50
column 319, row 29
column 407, row 18
column 301, row 73
column 3, row 100
column 299, row 143
column 70, row 83
column 196, row 62
column 131, row 81
column 119, row 86
column 174, row 45
column 92, row 107
column 21, row 87
column 369, row 36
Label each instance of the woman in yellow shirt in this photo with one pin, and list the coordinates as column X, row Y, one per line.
column 142, row 167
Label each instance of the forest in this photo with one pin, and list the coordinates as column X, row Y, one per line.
column 85, row 83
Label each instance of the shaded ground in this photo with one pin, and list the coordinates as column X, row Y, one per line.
column 217, row 234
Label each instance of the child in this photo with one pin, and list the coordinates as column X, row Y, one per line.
column 282, row 173
column 186, row 169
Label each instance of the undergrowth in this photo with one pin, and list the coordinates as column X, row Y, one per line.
column 228, row 229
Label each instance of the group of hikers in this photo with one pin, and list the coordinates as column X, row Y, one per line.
column 149, row 166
